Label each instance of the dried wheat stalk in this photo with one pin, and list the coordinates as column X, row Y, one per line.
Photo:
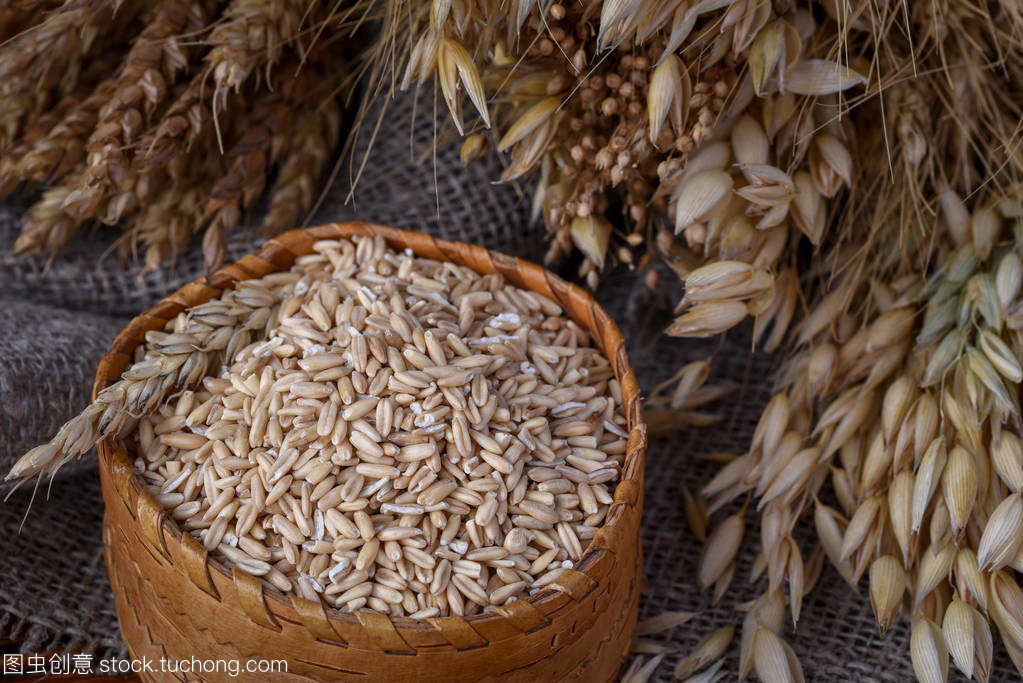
column 50, row 54
column 155, row 63
column 292, row 194
column 253, row 36
column 248, row 162
column 196, row 344
column 141, row 121
column 63, row 146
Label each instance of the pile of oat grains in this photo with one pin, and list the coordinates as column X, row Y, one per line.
column 413, row 438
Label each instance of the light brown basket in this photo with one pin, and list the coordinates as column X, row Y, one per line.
column 174, row 601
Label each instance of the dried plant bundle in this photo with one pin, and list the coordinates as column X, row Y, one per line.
column 733, row 138
column 154, row 105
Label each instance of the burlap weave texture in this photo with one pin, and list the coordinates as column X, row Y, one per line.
column 54, row 591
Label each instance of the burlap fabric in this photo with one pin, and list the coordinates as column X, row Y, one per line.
column 54, row 591
column 49, row 357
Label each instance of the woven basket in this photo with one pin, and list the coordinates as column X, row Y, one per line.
column 175, row 601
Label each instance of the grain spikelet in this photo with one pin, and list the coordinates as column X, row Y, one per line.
column 795, row 474
column 821, row 77
column 668, row 97
column 984, row 227
column 473, row 148
column 720, row 550
column 900, row 512
column 13, row 156
column 591, row 235
column 640, row 671
column 648, row 646
column 774, row 660
column 1002, row 535
column 970, row 583
column 891, row 327
column 767, row 611
column 1007, row 459
column 729, row 475
column 662, row 622
column 63, row 147
column 1008, row 278
column 698, row 195
column 933, row 568
column 1001, row 356
column 528, row 122
column 180, row 132
column 712, row 674
column 709, row 649
column 708, row 319
column 958, row 631
column 749, row 142
column 861, row 525
column 456, row 71
column 722, row 585
column 166, row 224
column 928, row 653
column 831, row 164
column 887, row 585
column 1005, row 606
column 959, row 485
column 46, row 227
column 927, row 477
column 696, row 513
column 253, row 35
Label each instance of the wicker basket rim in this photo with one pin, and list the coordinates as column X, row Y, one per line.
column 444, row 250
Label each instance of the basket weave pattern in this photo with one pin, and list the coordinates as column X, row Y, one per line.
column 175, row 601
